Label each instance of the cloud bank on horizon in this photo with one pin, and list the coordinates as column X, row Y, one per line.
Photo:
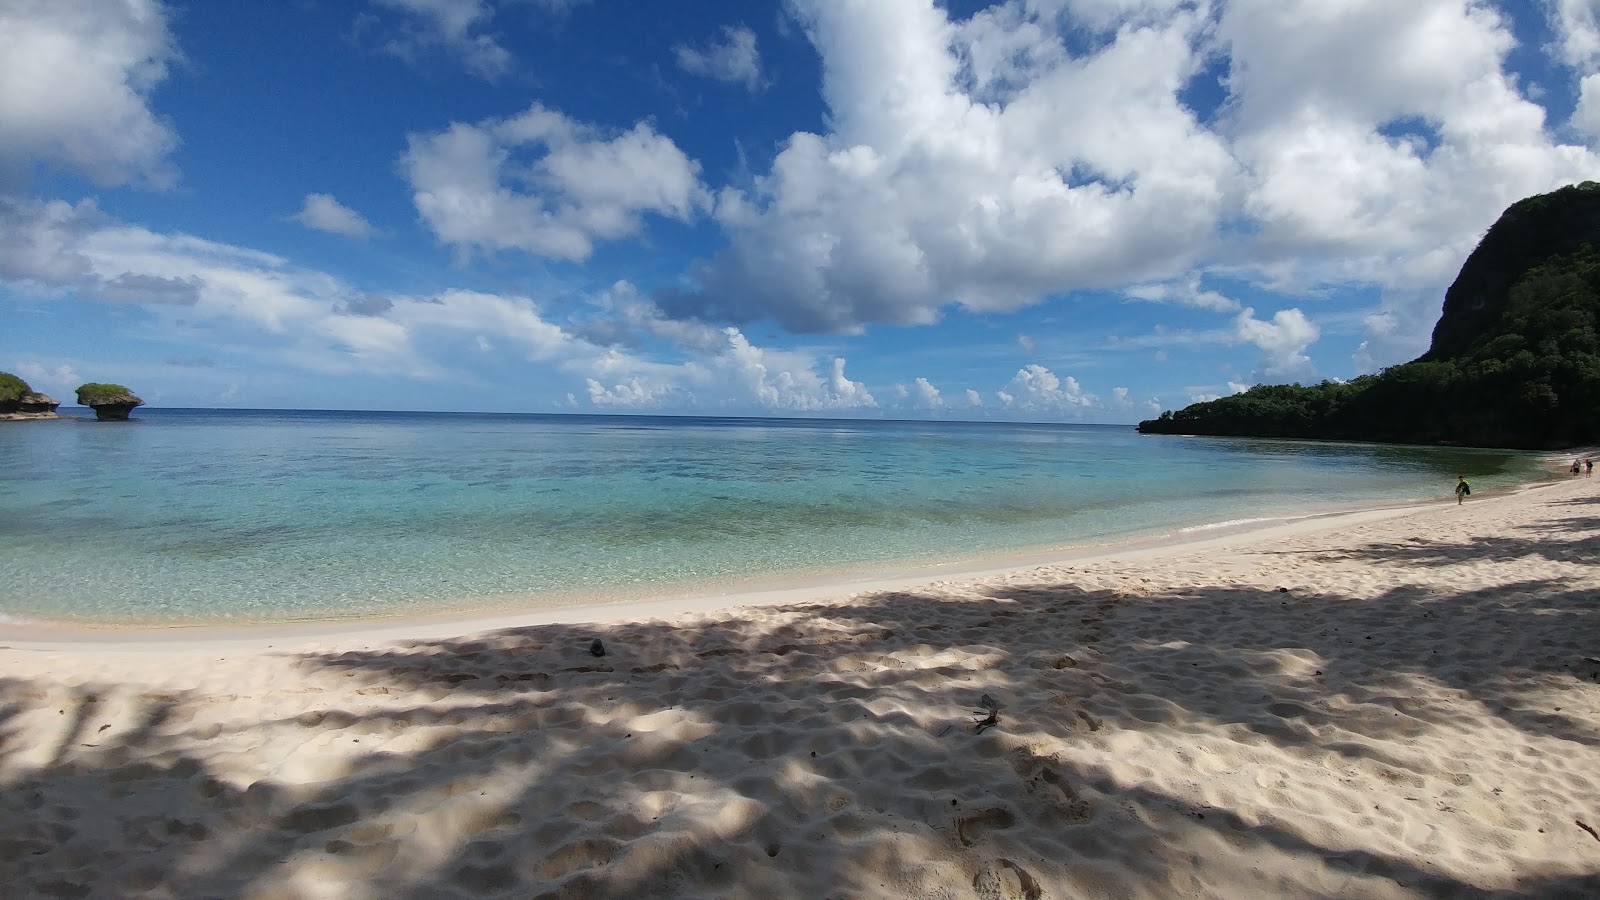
column 1073, row 210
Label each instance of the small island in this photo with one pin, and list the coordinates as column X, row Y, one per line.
column 1514, row 362
column 110, row 402
column 19, row 401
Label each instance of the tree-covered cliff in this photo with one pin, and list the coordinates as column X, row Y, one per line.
column 1515, row 358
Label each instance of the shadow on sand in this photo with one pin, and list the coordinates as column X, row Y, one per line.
column 577, row 776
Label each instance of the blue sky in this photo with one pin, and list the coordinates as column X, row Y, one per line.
column 1042, row 210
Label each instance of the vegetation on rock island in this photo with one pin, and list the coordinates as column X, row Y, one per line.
column 12, row 388
column 18, row 400
column 93, row 394
column 111, row 402
column 1514, row 362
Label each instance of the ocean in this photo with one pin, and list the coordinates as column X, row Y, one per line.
column 232, row 516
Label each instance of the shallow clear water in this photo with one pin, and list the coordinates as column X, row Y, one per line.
column 225, row 515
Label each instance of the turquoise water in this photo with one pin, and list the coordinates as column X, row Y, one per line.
column 213, row 515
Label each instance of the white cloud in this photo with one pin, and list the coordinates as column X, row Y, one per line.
column 1187, row 292
column 1283, row 341
column 1120, row 398
column 1382, row 138
column 219, row 295
column 38, row 241
column 1027, row 344
column 1576, row 24
column 974, row 399
column 1586, row 117
column 1090, row 174
column 744, row 374
column 75, row 80
column 580, row 186
column 734, row 58
column 324, row 213
column 1009, row 158
column 456, row 26
column 1397, row 332
column 724, row 369
column 925, row 396
column 1037, row 389
column 1237, row 387
column 629, row 394
column 59, row 382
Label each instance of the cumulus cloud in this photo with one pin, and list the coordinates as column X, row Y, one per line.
column 324, row 213
column 1372, row 125
column 1399, row 331
column 1576, row 24
column 744, row 374
column 545, row 184
column 1037, row 389
column 1382, row 140
column 974, row 399
column 1187, row 292
column 223, row 294
column 75, row 82
column 454, row 25
column 1090, row 173
column 1586, row 116
column 39, row 241
column 58, row 381
column 734, row 58
column 924, row 395
column 1042, row 147
column 1283, row 341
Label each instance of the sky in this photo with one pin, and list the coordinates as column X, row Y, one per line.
column 1035, row 210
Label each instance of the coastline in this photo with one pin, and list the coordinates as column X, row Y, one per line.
column 201, row 545
column 655, row 601
column 1356, row 704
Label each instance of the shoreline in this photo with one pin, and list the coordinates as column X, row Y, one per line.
column 1341, row 705
column 1346, row 705
column 699, row 598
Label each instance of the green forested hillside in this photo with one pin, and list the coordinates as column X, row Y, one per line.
column 1515, row 358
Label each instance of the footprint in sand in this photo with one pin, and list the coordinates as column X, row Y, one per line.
column 971, row 828
column 1003, row 879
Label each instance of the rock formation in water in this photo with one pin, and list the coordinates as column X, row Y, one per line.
column 110, row 402
column 19, row 401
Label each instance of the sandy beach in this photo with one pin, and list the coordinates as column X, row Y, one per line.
column 1403, row 703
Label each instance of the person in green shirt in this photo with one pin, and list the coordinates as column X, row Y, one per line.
column 1462, row 489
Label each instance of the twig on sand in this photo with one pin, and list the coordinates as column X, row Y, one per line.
column 993, row 707
column 1592, row 832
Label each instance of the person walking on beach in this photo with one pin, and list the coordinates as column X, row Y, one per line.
column 1588, row 468
column 1462, row 489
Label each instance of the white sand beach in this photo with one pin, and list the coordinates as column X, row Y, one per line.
column 1394, row 704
